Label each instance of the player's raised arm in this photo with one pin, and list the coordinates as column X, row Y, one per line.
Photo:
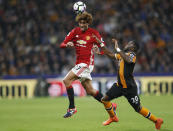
column 122, row 54
column 104, row 49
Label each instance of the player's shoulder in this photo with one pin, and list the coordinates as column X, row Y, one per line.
column 76, row 29
column 93, row 30
column 131, row 53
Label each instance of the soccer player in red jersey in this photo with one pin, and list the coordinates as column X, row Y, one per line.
column 81, row 39
column 125, row 85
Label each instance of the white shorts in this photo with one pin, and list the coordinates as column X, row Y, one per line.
column 83, row 71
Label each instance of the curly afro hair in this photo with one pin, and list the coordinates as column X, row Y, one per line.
column 85, row 16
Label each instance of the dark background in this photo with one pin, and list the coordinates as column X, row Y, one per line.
column 32, row 30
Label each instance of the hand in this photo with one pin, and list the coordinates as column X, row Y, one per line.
column 69, row 44
column 97, row 39
column 96, row 49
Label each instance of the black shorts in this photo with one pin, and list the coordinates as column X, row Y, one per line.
column 130, row 93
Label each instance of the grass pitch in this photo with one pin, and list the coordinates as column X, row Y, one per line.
column 45, row 114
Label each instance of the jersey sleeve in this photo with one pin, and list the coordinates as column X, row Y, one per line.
column 68, row 38
column 132, row 57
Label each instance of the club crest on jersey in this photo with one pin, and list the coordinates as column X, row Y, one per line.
column 87, row 37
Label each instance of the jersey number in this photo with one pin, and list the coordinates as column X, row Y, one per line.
column 135, row 99
column 78, row 67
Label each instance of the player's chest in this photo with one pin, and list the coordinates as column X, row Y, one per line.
column 84, row 40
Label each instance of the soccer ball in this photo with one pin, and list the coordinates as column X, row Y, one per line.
column 79, row 7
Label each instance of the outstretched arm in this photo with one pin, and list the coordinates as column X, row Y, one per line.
column 104, row 49
column 108, row 53
column 122, row 54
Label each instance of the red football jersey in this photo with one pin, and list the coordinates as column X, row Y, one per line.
column 83, row 43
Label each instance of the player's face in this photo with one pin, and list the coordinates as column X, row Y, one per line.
column 83, row 25
column 129, row 46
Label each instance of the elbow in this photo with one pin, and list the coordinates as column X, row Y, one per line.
column 62, row 45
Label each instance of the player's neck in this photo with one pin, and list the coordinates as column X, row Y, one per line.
column 85, row 30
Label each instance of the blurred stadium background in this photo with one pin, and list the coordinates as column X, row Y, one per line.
column 32, row 65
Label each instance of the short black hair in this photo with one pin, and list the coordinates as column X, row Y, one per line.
column 137, row 46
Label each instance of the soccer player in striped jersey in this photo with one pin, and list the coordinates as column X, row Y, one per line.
column 126, row 85
column 81, row 39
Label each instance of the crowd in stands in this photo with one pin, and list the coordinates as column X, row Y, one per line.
column 32, row 30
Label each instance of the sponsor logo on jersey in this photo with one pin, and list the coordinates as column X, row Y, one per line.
column 81, row 42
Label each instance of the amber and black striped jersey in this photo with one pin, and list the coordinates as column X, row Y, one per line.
column 125, row 70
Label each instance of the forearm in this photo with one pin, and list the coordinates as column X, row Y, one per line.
column 107, row 52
